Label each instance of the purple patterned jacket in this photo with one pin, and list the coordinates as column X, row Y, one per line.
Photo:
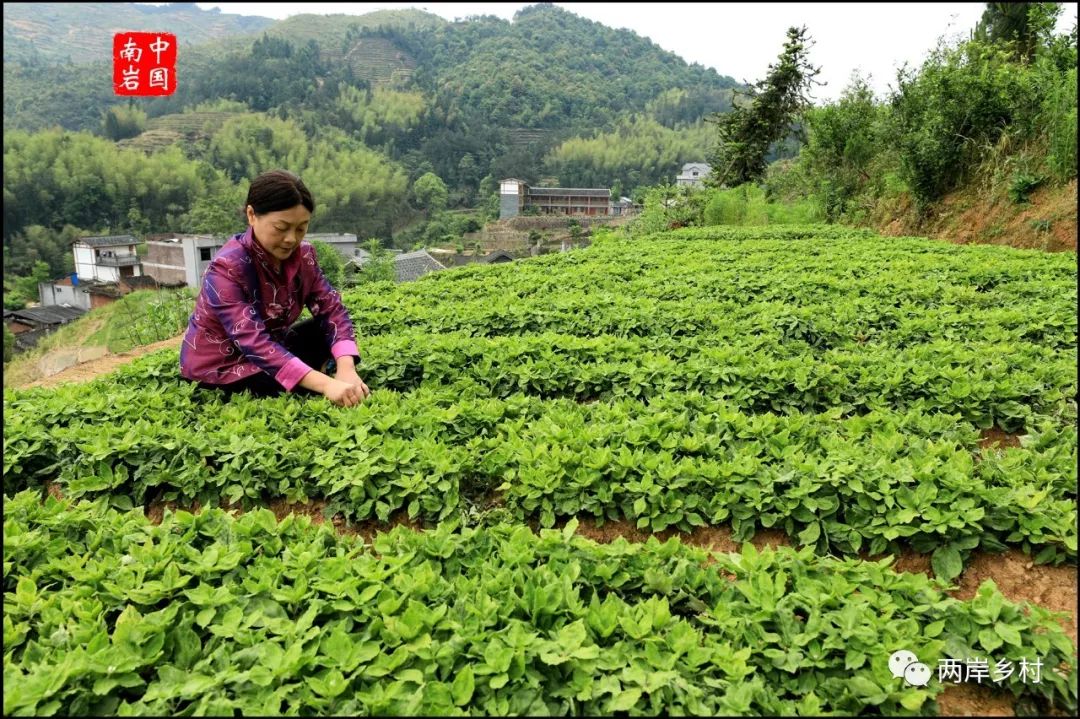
column 245, row 308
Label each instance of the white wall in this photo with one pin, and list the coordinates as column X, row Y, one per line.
column 53, row 294
column 84, row 263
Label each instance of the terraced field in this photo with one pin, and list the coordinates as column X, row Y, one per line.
column 821, row 385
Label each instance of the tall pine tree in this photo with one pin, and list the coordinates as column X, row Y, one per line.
column 745, row 134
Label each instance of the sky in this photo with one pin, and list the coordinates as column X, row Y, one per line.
column 739, row 39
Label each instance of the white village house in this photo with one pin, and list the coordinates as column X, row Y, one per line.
column 693, row 174
column 106, row 259
column 344, row 242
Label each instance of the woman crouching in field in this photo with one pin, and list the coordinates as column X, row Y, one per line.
column 241, row 335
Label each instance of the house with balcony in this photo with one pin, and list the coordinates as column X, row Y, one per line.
column 517, row 197
column 106, row 259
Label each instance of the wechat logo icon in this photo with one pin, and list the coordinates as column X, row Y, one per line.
column 905, row 664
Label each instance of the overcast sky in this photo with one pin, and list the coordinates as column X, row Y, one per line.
column 739, row 39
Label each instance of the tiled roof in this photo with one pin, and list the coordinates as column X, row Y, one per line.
column 141, row 282
column 410, row 266
column 579, row 191
column 108, row 241
column 331, row 237
column 50, row 315
column 497, row 256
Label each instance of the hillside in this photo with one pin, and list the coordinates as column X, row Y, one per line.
column 391, row 96
column 969, row 215
column 81, row 33
column 620, row 71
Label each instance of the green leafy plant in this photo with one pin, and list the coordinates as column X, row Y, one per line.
column 1022, row 185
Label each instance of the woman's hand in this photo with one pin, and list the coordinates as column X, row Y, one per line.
column 347, row 373
column 343, row 394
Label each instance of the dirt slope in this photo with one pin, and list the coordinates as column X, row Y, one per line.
column 95, row 368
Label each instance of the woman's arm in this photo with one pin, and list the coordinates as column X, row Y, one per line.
column 324, row 302
column 325, row 305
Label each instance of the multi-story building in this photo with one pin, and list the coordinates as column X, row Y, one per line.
column 516, row 197
column 693, row 174
column 179, row 259
column 106, row 259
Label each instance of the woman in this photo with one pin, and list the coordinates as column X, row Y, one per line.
column 240, row 335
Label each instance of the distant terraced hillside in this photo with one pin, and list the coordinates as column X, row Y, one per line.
column 522, row 136
column 374, row 59
column 191, row 123
column 333, row 30
column 53, row 33
column 169, row 129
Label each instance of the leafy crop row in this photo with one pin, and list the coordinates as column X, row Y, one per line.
column 107, row 614
column 840, row 483
column 987, row 383
column 896, row 294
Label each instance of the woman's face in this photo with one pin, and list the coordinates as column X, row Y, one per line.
column 280, row 232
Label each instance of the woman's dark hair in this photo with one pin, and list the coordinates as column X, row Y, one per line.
column 278, row 190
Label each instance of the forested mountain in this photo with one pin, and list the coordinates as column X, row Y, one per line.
column 80, row 33
column 361, row 107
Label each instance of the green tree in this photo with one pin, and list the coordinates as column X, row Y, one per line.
column 429, row 192
column 37, row 243
column 137, row 224
column 959, row 102
column 843, row 139
column 746, row 133
column 27, row 287
column 248, row 145
column 123, row 121
column 219, row 211
column 577, row 234
column 380, row 266
column 1019, row 25
column 330, row 262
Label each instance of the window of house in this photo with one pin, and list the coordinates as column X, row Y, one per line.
column 204, row 253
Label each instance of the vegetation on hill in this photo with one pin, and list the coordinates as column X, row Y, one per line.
column 972, row 114
column 43, row 34
column 549, row 95
column 993, row 120
column 135, row 320
column 483, row 98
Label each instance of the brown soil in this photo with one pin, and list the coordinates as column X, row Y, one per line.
column 970, row 216
column 713, row 539
column 997, row 437
column 1020, row 580
column 109, row 363
column 975, row 700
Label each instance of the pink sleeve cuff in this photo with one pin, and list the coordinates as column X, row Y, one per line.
column 344, row 348
column 290, row 375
